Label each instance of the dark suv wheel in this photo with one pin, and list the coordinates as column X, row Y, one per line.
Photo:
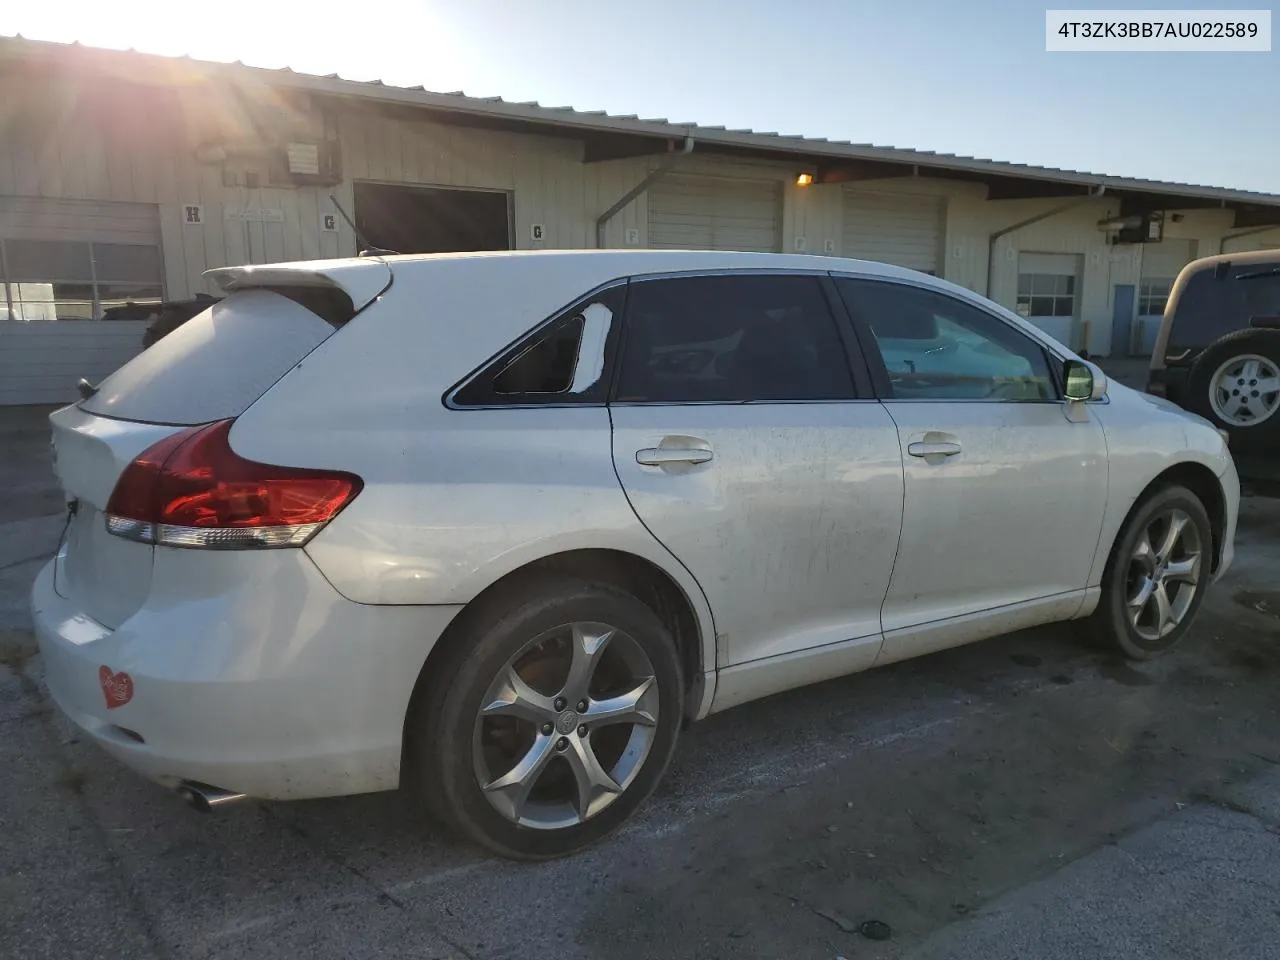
column 1235, row 383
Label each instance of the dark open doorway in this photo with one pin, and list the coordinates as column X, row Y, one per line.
column 431, row 219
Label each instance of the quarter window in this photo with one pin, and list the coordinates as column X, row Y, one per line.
column 935, row 347
column 731, row 339
column 563, row 361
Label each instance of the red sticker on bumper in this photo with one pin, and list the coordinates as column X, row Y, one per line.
column 116, row 687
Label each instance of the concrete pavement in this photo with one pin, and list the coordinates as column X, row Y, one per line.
column 1025, row 797
column 1202, row 883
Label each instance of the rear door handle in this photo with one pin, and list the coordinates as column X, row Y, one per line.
column 935, row 449
column 665, row 456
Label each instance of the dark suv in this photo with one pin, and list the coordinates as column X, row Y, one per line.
column 1218, row 352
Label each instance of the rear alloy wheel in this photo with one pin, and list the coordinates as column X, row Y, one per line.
column 552, row 720
column 565, row 726
column 1156, row 577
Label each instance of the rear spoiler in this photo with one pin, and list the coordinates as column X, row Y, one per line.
column 363, row 281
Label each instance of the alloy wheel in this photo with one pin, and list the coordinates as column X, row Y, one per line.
column 1245, row 390
column 1164, row 574
column 565, row 726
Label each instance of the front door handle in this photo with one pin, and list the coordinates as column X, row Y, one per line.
column 666, row 456
column 936, row 449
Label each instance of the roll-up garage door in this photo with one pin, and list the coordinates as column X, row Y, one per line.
column 1049, row 292
column 715, row 213
column 893, row 228
column 62, row 262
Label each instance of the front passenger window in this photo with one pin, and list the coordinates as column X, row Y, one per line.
column 936, row 347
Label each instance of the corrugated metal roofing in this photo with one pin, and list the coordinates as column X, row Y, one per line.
column 603, row 122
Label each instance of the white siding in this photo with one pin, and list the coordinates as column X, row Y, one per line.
column 1165, row 260
column 899, row 228
column 714, row 213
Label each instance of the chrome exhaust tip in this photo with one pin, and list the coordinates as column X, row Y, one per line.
column 202, row 797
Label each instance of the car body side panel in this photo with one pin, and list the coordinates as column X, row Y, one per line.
column 1012, row 518
column 791, row 527
column 1145, row 437
column 444, row 515
column 449, row 510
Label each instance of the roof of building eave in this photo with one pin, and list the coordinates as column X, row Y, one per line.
column 601, row 122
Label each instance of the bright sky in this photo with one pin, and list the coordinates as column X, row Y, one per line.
column 946, row 75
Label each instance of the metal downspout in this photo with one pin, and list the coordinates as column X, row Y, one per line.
column 1051, row 212
column 657, row 173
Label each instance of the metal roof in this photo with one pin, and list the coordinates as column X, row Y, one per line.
column 815, row 149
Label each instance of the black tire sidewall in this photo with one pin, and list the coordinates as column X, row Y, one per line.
column 444, row 753
column 1112, row 604
column 1262, row 342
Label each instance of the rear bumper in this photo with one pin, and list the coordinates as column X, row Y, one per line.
column 246, row 671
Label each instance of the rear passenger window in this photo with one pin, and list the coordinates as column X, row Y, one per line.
column 563, row 361
column 731, row 339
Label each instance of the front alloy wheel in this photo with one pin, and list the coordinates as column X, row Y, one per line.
column 1164, row 574
column 1156, row 576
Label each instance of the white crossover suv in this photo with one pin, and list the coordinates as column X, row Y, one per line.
column 493, row 527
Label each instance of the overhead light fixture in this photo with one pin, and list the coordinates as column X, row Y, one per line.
column 804, row 179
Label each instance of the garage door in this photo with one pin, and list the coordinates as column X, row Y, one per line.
column 62, row 263
column 715, row 213
column 1049, row 292
column 1161, row 264
column 892, row 228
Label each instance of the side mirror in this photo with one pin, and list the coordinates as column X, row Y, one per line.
column 1083, row 381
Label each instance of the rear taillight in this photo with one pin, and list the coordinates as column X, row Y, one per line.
column 192, row 490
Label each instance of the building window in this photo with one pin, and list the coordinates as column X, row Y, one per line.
column 1152, row 297
column 73, row 280
column 1046, row 295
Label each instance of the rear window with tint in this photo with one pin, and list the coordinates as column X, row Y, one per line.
column 1209, row 307
column 214, row 365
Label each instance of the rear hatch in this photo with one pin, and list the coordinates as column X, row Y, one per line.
column 211, row 368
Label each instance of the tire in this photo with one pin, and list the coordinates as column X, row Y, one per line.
column 1127, row 573
column 1209, row 382
column 531, row 630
